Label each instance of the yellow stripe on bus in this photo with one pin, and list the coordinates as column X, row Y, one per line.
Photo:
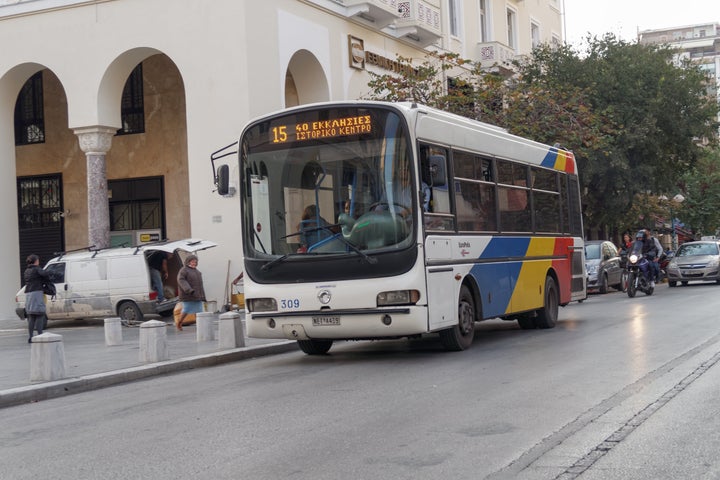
column 528, row 292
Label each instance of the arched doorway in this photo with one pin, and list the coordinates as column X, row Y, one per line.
column 305, row 80
column 42, row 139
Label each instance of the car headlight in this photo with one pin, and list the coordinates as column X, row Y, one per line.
column 592, row 270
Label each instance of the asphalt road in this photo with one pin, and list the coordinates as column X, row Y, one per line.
column 621, row 388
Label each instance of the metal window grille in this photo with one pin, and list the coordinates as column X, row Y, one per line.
column 29, row 117
column 39, row 202
column 132, row 107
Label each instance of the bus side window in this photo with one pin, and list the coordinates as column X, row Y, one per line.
column 433, row 164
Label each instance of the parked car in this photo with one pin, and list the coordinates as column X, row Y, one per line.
column 694, row 261
column 113, row 282
column 602, row 263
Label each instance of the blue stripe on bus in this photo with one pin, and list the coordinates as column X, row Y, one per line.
column 504, row 247
column 550, row 157
column 495, row 281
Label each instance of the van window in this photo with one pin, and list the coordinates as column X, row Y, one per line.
column 57, row 272
column 88, row 270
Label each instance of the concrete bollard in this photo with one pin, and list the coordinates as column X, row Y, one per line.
column 204, row 326
column 153, row 341
column 47, row 358
column 113, row 331
column 230, row 331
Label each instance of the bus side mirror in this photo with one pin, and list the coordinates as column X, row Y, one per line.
column 222, row 181
column 438, row 177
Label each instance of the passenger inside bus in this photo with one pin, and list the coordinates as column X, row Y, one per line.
column 311, row 228
column 346, row 218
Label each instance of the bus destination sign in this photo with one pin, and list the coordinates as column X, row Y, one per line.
column 338, row 127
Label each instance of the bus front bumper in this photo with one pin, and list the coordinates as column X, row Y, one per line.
column 340, row 325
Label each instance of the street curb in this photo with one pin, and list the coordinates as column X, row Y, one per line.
column 69, row 386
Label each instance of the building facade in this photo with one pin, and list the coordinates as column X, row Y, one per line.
column 110, row 109
column 698, row 43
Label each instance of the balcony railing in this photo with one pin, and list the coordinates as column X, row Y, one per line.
column 495, row 54
column 419, row 21
column 378, row 13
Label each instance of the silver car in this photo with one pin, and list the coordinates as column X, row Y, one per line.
column 695, row 261
column 602, row 263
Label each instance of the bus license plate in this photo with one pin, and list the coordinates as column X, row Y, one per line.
column 322, row 321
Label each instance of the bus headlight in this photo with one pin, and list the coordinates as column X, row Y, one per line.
column 398, row 297
column 261, row 305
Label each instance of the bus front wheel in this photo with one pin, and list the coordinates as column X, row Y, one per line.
column 315, row 347
column 460, row 336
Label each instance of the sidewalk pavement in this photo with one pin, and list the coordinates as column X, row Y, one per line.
column 90, row 364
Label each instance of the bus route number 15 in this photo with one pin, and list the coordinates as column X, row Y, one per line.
column 279, row 134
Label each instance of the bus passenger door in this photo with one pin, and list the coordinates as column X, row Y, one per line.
column 442, row 306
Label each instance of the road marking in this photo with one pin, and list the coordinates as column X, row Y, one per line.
column 527, row 459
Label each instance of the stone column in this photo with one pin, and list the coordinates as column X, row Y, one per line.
column 95, row 142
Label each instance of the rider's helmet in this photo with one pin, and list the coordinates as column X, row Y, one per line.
column 640, row 235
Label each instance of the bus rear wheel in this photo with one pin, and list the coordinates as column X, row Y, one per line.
column 547, row 316
column 315, row 347
column 460, row 336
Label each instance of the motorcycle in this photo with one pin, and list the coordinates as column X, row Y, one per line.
column 639, row 272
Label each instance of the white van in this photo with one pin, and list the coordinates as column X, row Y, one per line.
column 113, row 282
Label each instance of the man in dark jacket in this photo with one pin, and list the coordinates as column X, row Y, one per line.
column 192, row 292
column 649, row 251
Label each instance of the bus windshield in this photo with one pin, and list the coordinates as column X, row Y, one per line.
column 327, row 182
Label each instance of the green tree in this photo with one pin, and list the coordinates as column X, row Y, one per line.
column 701, row 188
column 654, row 113
column 631, row 116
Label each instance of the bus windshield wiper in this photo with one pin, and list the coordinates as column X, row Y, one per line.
column 347, row 242
column 272, row 263
column 339, row 236
column 369, row 259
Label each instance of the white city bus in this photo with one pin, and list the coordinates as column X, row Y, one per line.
column 373, row 220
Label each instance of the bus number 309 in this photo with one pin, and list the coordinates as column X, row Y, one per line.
column 289, row 303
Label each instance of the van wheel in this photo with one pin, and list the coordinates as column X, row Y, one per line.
column 129, row 312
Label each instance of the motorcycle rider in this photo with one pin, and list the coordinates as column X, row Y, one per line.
column 659, row 252
column 649, row 250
